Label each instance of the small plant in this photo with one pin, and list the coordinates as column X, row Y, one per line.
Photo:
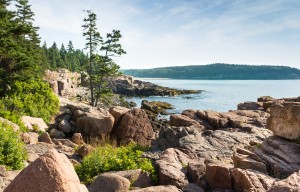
column 12, row 149
column 108, row 158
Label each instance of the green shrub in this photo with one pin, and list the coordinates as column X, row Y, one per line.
column 109, row 158
column 12, row 149
column 33, row 98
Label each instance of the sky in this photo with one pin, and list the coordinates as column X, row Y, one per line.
column 160, row 33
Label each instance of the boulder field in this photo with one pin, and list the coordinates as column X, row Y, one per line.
column 253, row 148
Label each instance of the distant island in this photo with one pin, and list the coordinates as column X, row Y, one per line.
column 218, row 71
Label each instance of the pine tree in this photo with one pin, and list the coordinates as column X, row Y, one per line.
column 93, row 39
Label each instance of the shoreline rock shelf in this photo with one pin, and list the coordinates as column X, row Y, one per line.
column 197, row 150
column 127, row 86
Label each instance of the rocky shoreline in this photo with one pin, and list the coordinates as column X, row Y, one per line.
column 127, row 86
column 253, row 148
column 240, row 150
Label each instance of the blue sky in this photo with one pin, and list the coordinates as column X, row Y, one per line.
column 158, row 33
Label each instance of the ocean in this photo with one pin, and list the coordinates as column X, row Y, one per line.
column 221, row 95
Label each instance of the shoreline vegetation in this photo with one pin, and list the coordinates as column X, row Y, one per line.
column 218, row 71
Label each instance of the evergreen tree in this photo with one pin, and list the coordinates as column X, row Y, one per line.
column 93, row 39
column 105, row 66
column 54, row 56
column 25, row 17
column 45, row 61
column 19, row 56
column 63, row 56
column 70, row 47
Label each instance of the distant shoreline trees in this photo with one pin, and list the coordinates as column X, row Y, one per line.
column 219, row 71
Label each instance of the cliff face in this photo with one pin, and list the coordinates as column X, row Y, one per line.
column 63, row 82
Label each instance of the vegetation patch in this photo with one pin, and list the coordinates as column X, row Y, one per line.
column 109, row 158
column 33, row 98
column 12, row 149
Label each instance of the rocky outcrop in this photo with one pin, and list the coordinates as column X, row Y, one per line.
column 290, row 184
column 284, row 120
column 156, row 107
column 134, row 127
column 63, row 82
column 250, row 106
column 51, row 172
column 126, row 85
column 185, row 121
column 109, row 182
column 172, row 166
column 242, row 119
column 34, row 124
column 282, row 157
column 249, row 180
column 265, row 102
column 218, row 176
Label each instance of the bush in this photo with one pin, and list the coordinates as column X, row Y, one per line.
column 109, row 158
column 33, row 98
column 12, row 149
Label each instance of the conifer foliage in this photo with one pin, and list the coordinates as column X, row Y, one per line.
column 101, row 52
column 19, row 46
column 22, row 90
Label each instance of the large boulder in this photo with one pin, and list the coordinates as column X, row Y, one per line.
column 134, row 127
column 250, row 106
column 109, row 182
column 290, row 184
column 65, row 126
column 172, row 168
column 51, row 172
column 33, row 123
column 249, row 180
column 117, row 112
column 284, row 120
column 218, row 176
column 281, row 156
column 182, row 120
column 95, row 125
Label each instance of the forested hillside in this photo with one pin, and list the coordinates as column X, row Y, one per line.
column 218, row 71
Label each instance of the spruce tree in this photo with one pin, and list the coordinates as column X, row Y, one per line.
column 19, row 51
column 106, row 67
column 93, row 39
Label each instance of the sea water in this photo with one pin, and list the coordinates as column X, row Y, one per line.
column 221, row 95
